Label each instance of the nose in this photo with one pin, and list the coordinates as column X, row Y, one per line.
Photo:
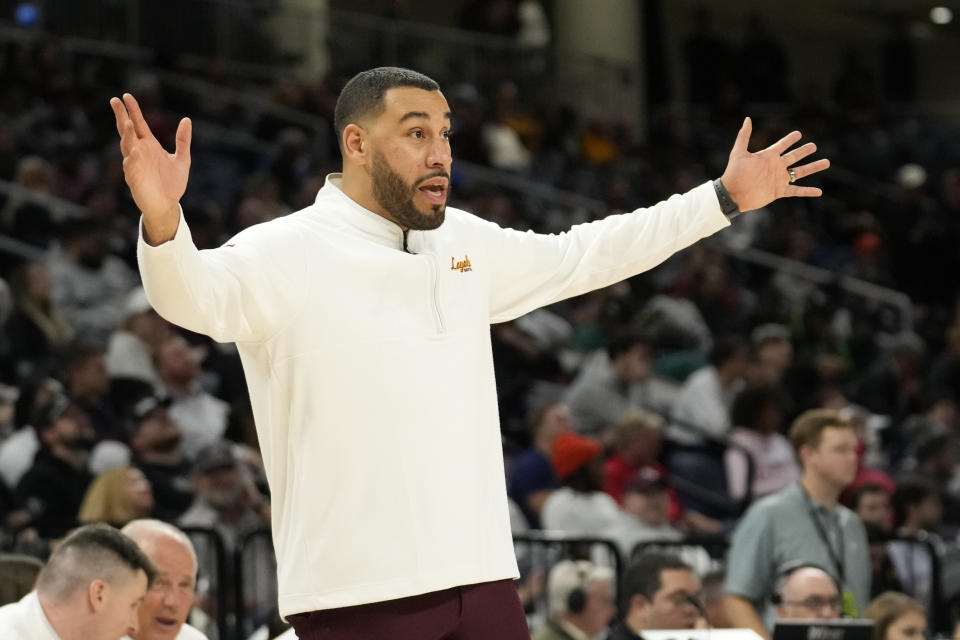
column 134, row 623
column 439, row 155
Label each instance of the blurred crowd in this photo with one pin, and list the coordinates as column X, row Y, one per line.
column 654, row 410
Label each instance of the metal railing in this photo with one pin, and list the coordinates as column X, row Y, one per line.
column 212, row 548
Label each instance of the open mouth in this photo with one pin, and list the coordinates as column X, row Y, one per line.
column 167, row 623
column 435, row 190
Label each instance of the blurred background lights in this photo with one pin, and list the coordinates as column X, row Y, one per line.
column 941, row 15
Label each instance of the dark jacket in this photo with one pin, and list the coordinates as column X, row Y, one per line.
column 52, row 491
column 621, row 631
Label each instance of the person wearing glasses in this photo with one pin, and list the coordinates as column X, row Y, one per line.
column 807, row 592
column 658, row 591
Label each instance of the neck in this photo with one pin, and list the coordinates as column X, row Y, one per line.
column 66, row 623
column 725, row 376
column 574, row 620
column 74, row 458
column 544, row 446
column 634, row 621
column 177, row 388
column 168, row 458
column 819, row 490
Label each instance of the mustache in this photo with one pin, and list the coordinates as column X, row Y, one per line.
column 436, row 174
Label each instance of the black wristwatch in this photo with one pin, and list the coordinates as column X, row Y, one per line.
column 727, row 205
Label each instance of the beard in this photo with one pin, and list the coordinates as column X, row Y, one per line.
column 396, row 197
column 79, row 443
column 167, row 444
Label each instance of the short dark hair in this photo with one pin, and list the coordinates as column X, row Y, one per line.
column 363, row 94
column 752, row 401
column 642, row 576
column 726, row 347
column 909, row 493
column 866, row 488
column 90, row 552
column 625, row 341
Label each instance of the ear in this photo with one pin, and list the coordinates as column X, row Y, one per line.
column 354, row 143
column 804, row 454
column 97, row 594
column 639, row 604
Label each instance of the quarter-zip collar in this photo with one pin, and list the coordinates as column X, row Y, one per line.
column 372, row 225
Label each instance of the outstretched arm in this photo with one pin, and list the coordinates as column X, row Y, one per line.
column 532, row 270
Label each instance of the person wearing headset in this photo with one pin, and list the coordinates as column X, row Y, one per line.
column 658, row 591
column 806, row 591
column 580, row 601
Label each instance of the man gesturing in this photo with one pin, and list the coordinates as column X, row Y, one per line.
column 368, row 358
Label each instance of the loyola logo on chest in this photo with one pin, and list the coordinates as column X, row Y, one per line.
column 460, row 265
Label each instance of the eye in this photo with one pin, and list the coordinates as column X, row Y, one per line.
column 417, row 133
column 447, row 134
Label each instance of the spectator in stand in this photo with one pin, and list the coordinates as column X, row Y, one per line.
column 90, row 588
column 90, row 286
column 896, row 617
column 202, row 418
column 934, row 461
column 706, row 397
column 229, row 502
column 643, row 516
column 116, row 497
column 772, row 354
column 580, row 601
column 54, row 487
column 637, row 438
column 657, row 591
column 37, row 330
column 88, row 385
column 917, row 514
column 893, row 385
column 532, row 478
column 872, row 503
column 155, row 443
column 610, row 383
column 757, row 416
column 807, row 592
column 803, row 523
column 130, row 351
column 579, row 506
column 701, row 422
column 883, row 574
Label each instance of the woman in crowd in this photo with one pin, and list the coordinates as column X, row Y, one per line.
column 896, row 617
column 117, row 496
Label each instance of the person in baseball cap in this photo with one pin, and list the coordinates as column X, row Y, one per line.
column 579, row 506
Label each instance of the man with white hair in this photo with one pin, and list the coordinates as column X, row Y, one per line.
column 163, row 614
column 580, row 596
column 807, row 592
column 90, row 589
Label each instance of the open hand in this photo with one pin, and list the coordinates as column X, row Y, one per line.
column 754, row 180
column 157, row 179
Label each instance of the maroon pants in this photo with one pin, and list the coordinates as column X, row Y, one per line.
column 486, row 611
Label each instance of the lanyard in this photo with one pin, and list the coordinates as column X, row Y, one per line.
column 837, row 559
